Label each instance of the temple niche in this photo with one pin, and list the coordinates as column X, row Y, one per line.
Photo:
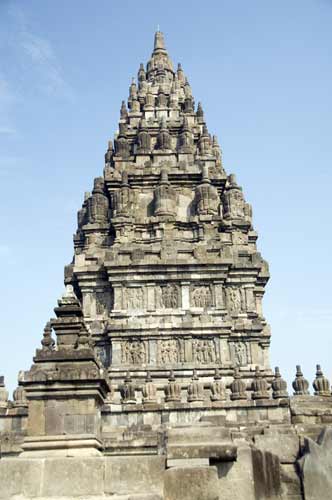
column 153, row 380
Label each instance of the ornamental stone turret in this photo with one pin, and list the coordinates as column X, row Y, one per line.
column 235, row 206
column 164, row 141
column 128, row 390
column 300, row 384
column 122, row 198
column 207, row 197
column 259, row 386
column 321, row 384
column 123, row 111
column 200, row 113
column 141, row 77
column 205, row 147
column 143, row 138
column 195, row 389
column 172, row 389
column 20, row 398
column 164, row 197
column 3, row 396
column 186, row 138
column 238, row 387
column 279, row 385
column 149, row 390
column 218, row 387
column 98, row 203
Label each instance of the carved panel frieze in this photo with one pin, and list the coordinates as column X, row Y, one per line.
column 201, row 296
column 104, row 302
column 170, row 296
column 133, row 298
column 171, row 351
column 134, row 352
column 235, row 299
column 240, row 353
column 204, row 351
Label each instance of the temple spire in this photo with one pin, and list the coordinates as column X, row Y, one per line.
column 159, row 43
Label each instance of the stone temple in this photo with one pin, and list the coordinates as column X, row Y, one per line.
column 153, row 380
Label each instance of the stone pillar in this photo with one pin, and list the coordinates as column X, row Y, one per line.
column 219, row 299
column 185, row 295
column 117, row 297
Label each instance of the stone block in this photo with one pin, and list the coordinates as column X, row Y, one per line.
column 20, row 477
column 191, row 462
column 290, row 481
column 285, row 446
column 191, row 483
column 223, row 452
column 73, row 477
column 266, row 470
column 135, row 474
column 236, row 479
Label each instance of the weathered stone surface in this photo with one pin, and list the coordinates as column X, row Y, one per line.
column 196, row 483
column 134, row 475
column 73, row 477
column 266, row 469
column 21, row 478
column 236, row 479
column 316, row 467
column 285, row 446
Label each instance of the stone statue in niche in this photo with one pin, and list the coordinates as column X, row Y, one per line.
column 234, row 203
column 98, row 204
column 206, row 196
column 134, row 297
column 104, row 302
column 123, row 198
column 170, row 351
column 143, row 138
column 201, row 296
column 239, row 352
column 164, row 141
column 170, row 296
column 203, row 351
column 234, row 299
column 164, row 196
column 134, row 352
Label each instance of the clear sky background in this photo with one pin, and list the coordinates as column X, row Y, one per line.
column 263, row 71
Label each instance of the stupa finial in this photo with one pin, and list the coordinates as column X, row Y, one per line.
column 159, row 43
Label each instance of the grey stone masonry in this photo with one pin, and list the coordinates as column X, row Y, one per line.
column 165, row 263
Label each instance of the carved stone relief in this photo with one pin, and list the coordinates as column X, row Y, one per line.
column 133, row 298
column 170, row 351
column 134, row 352
column 240, row 353
column 170, row 296
column 204, row 351
column 234, row 299
column 104, row 302
column 201, row 296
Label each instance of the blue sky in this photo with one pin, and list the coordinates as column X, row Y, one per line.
column 263, row 72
